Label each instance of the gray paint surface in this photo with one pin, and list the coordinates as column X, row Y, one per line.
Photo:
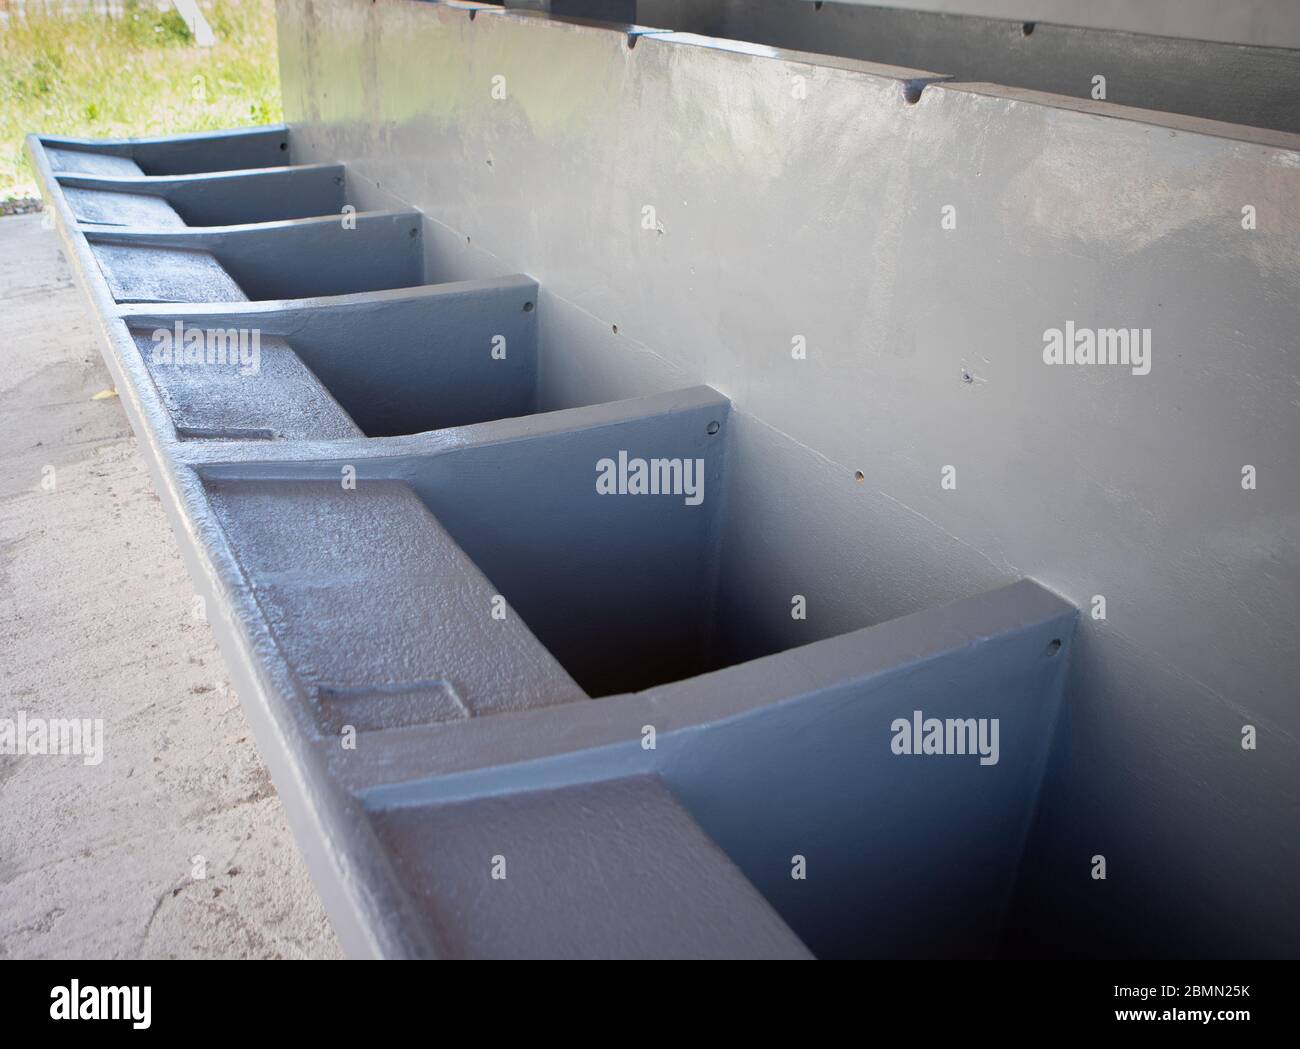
column 92, row 163
column 1257, row 86
column 924, row 350
column 110, row 208
column 374, row 252
column 405, row 360
column 280, row 399
column 1266, row 23
column 431, row 659
column 153, row 274
column 571, row 858
column 604, row 10
column 233, row 197
column 777, row 218
column 254, row 530
column 203, row 151
column 621, row 589
column 378, row 557
column 790, row 757
column 883, row 834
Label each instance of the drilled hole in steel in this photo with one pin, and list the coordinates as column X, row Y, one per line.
column 528, row 307
column 615, row 329
column 284, row 146
column 859, row 476
column 414, row 231
column 713, row 428
column 1053, row 647
column 1027, row 29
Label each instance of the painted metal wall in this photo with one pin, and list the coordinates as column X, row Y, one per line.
column 1255, row 86
column 1267, row 23
column 693, row 213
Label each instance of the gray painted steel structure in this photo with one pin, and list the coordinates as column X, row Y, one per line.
column 1255, row 86
column 775, row 216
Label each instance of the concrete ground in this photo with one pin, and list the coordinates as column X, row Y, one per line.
column 96, row 621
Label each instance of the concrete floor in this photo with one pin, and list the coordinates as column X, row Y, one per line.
column 96, row 621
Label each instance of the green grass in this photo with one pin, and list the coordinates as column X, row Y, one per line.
column 138, row 74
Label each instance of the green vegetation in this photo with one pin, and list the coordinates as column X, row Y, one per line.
column 136, row 74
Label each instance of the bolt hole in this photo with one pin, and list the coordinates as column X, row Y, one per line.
column 467, row 240
column 631, row 41
column 912, row 93
column 528, row 307
column 713, row 428
column 1027, row 29
column 284, row 146
column 1053, row 647
column 859, row 476
column 615, row 329
column 414, row 232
